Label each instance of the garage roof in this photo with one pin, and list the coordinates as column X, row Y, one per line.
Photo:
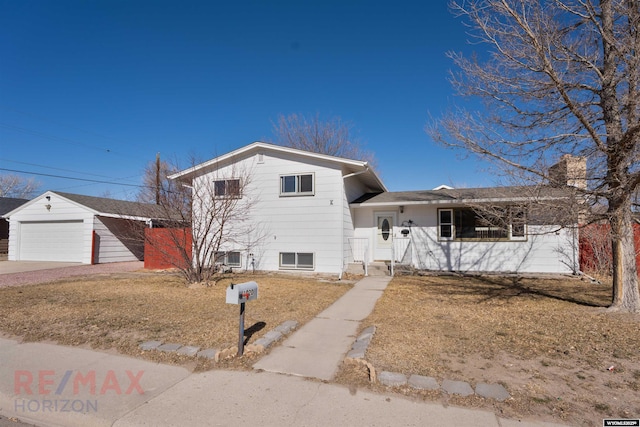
column 106, row 207
column 7, row 204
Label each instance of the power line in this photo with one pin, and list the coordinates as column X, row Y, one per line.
column 60, row 169
column 74, row 178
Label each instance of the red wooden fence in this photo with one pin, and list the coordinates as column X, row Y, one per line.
column 595, row 247
column 167, row 248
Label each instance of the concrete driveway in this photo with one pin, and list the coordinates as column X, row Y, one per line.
column 8, row 267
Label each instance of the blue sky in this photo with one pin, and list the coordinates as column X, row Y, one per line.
column 94, row 89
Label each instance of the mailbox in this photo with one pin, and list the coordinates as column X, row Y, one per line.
column 242, row 292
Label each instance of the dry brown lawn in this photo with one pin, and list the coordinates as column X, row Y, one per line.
column 121, row 311
column 550, row 342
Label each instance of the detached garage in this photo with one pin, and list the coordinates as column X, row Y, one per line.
column 75, row 228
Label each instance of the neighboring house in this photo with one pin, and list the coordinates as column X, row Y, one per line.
column 67, row 227
column 322, row 214
column 7, row 204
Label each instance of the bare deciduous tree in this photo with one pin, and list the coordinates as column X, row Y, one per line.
column 18, row 187
column 333, row 136
column 208, row 219
column 157, row 188
column 561, row 76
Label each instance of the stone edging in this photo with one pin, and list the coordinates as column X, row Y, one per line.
column 257, row 347
column 418, row 382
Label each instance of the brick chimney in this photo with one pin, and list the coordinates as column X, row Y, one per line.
column 570, row 170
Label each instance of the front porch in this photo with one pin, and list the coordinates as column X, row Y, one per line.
column 363, row 260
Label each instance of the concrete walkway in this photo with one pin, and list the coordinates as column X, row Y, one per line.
column 318, row 348
column 50, row 385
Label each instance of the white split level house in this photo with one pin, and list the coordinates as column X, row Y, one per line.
column 304, row 211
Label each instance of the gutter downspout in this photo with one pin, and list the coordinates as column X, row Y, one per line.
column 344, row 177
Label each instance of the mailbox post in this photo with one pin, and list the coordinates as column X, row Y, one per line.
column 240, row 294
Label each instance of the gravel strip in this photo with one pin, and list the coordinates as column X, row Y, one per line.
column 53, row 274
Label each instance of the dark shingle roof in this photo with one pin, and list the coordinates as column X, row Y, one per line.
column 116, row 207
column 462, row 194
column 7, row 204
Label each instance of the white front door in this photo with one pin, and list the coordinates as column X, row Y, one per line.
column 384, row 236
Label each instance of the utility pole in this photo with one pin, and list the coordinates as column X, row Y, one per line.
column 157, row 178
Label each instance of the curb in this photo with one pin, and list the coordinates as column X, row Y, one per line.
column 216, row 355
column 418, row 382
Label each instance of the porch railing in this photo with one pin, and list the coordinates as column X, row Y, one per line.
column 360, row 251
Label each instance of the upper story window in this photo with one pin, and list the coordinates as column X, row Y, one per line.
column 508, row 223
column 297, row 185
column 227, row 188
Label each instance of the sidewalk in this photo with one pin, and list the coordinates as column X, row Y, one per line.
column 60, row 379
column 318, row 348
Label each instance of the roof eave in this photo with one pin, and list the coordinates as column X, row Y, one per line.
column 271, row 147
column 452, row 201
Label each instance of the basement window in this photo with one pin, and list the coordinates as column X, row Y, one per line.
column 229, row 258
column 297, row 260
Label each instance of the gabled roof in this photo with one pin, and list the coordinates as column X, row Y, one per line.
column 7, row 204
column 350, row 167
column 462, row 195
column 105, row 207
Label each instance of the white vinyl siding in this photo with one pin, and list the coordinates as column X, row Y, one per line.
column 117, row 241
column 279, row 223
column 542, row 251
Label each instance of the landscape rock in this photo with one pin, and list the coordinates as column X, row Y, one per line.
column 254, row 348
column 392, row 379
column 423, row 383
column 150, row 345
column 492, row 391
column 460, row 388
column 209, row 353
column 356, row 353
column 367, row 333
column 287, row 327
column 169, row 347
column 361, row 344
column 272, row 336
column 188, row 350
column 263, row 342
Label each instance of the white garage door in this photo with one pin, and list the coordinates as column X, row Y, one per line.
column 51, row 241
